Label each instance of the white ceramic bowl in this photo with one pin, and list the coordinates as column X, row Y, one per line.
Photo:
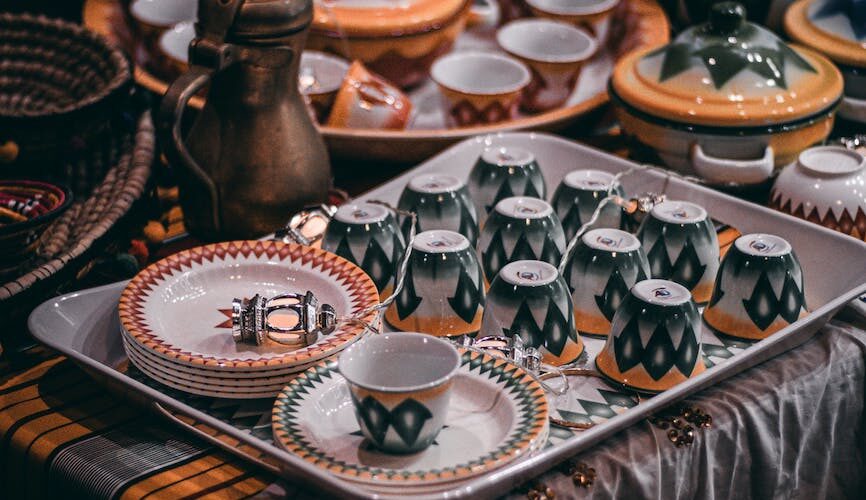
column 826, row 185
column 480, row 73
column 163, row 13
column 174, row 43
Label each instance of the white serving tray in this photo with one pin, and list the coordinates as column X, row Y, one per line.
column 84, row 325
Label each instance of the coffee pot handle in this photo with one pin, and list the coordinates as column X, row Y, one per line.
column 171, row 109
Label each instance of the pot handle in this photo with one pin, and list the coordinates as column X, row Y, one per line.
column 171, row 110
column 724, row 170
column 483, row 12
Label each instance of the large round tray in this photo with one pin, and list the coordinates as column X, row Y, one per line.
column 638, row 24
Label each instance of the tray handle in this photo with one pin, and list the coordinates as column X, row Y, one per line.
column 212, row 436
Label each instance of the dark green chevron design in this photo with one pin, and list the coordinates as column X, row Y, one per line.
column 531, row 190
column 377, row 264
column 718, row 290
column 522, row 250
column 660, row 354
column 503, row 192
column 524, row 326
column 627, row 346
column 344, row 251
column 660, row 263
column 557, row 329
column 687, row 353
column 407, row 301
column 550, row 253
column 468, row 224
column 466, row 299
column 762, row 306
column 494, row 257
column 688, row 270
column 375, row 417
column 791, row 301
column 611, row 297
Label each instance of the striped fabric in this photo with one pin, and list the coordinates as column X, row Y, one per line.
column 62, row 435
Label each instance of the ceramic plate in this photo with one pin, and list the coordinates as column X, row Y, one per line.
column 229, row 382
column 497, row 414
column 639, row 24
column 189, row 371
column 178, row 308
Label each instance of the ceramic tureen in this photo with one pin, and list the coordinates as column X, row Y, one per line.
column 727, row 100
column 398, row 39
column 837, row 29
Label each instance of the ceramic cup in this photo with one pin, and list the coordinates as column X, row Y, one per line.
column 443, row 293
column 319, row 78
column 502, row 172
column 520, row 228
column 759, row 289
column 825, row 186
column 579, row 194
column 592, row 15
column 681, row 245
column 401, row 387
column 173, row 47
column 367, row 235
column 604, row 266
column 554, row 52
column 655, row 339
column 366, row 100
column 440, row 201
column 479, row 88
column 530, row 299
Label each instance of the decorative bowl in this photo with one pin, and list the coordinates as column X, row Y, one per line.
column 727, row 100
column 26, row 208
column 836, row 29
column 827, row 186
column 398, row 40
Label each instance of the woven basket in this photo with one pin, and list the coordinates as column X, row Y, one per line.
column 71, row 239
column 63, row 90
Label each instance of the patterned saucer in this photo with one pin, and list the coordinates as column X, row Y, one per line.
column 177, row 308
column 497, row 414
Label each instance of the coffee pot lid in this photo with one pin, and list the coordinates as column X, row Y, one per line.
column 257, row 19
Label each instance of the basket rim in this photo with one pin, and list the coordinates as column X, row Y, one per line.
column 117, row 59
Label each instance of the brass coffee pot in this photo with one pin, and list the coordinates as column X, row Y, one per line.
column 253, row 156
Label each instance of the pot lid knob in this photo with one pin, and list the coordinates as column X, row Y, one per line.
column 726, row 18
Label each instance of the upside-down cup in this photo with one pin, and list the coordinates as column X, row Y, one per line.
column 366, row 100
column 592, row 15
column 759, row 289
column 520, row 228
column 479, row 88
column 367, row 235
column 502, row 172
column 529, row 299
column 554, row 52
column 443, row 290
column 655, row 340
column 604, row 266
column 579, row 194
column 439, row 201
column 401, row 387
column 681, row 245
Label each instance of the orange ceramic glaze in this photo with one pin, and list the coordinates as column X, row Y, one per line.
column 570, row 353
column 740, row 328
column 637, row 378
column 840, row 49
column 384, row 18
column 591, row 323
column 391, row 399
column 691, row 98
column 588, row 22
column 440, row 327
column 479, row 109
column 365, row 100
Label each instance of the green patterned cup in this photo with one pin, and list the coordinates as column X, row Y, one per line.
column 681, row 245
column 759, row 289
column 655, row 340
column 529, row 298
column 401, row 387
column 367, row 235
column 578, row 196
column 604, row 266
column 520, row 228
column 503, row 172
column 440, row 201
column 443, row 291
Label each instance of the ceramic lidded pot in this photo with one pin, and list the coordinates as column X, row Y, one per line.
column 825, row 186
column 837, row 29
column 726, row 100
column 396, row 39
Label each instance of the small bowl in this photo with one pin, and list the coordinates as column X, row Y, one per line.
column 554, row 51
column 479, row 87
column 366, row 100
column 26, row 209
column 401, row 388
column 592, row 15
column 825, row 186
column 173, row 46
column 319, row 79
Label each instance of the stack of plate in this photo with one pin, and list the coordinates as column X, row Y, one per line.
column 175, row 315
column 497, row 414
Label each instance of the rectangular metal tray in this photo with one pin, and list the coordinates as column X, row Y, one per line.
column 84, row 325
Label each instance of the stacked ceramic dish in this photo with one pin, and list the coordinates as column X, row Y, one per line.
column 176, row 322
